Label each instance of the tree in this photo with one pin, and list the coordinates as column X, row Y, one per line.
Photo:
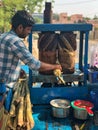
column 95, row 17
column 86, row 18
column 9, row 7
column 56, row 16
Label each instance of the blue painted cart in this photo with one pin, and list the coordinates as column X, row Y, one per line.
column 41, row 97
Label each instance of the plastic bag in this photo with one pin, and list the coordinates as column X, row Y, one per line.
column 94, row 57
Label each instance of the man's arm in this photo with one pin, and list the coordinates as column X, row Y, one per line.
column 46, row 66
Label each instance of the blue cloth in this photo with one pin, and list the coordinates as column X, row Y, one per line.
column 2, row 90
column 8, row 100
column 9, row 95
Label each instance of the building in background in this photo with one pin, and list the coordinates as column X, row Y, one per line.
column 63, row 18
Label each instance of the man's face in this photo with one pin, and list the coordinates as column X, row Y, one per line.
column 24, row 32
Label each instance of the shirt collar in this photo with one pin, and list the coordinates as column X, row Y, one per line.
column 13, row 32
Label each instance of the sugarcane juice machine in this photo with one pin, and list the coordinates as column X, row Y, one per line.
column 80, row 75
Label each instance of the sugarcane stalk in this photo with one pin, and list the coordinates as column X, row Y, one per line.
column 20, row 112
column 15, row 95
column 14, row 107
column 21, row 105
column 5, row 120
column 61, row 79
column 15, row 121
column 29, row 112
column 29, row 109
column 10, row 123
column 26, row 125
column 58, row 74
column 25, row 115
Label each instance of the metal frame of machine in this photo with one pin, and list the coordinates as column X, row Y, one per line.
column 84, row 34
column 84, row 30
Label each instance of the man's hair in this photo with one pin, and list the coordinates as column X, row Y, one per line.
column 22, row 17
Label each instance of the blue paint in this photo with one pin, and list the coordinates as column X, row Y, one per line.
column 62, row 27
column 44, row 95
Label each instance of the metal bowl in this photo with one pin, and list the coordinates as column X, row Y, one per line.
column 60, row 107
column 79, row 113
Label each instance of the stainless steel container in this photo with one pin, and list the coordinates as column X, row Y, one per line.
column 60, row 108
column 80, row 114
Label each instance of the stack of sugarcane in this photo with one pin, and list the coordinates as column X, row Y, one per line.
column 20, row 114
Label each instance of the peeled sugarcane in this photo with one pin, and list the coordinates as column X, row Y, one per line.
column 20, row 112
column 30, row 121
column 20, row 121
column 25, row 119
column 29, row 113
column 58, row 73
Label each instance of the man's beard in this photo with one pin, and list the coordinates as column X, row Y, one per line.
column 22, row 36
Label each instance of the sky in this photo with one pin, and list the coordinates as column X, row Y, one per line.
column 89, row 8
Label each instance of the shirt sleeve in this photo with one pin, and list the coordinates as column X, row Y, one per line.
column 20, row 50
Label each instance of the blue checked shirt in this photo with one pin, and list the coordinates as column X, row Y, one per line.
column 12, row 51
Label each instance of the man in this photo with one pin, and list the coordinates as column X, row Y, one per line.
column 13, row 50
